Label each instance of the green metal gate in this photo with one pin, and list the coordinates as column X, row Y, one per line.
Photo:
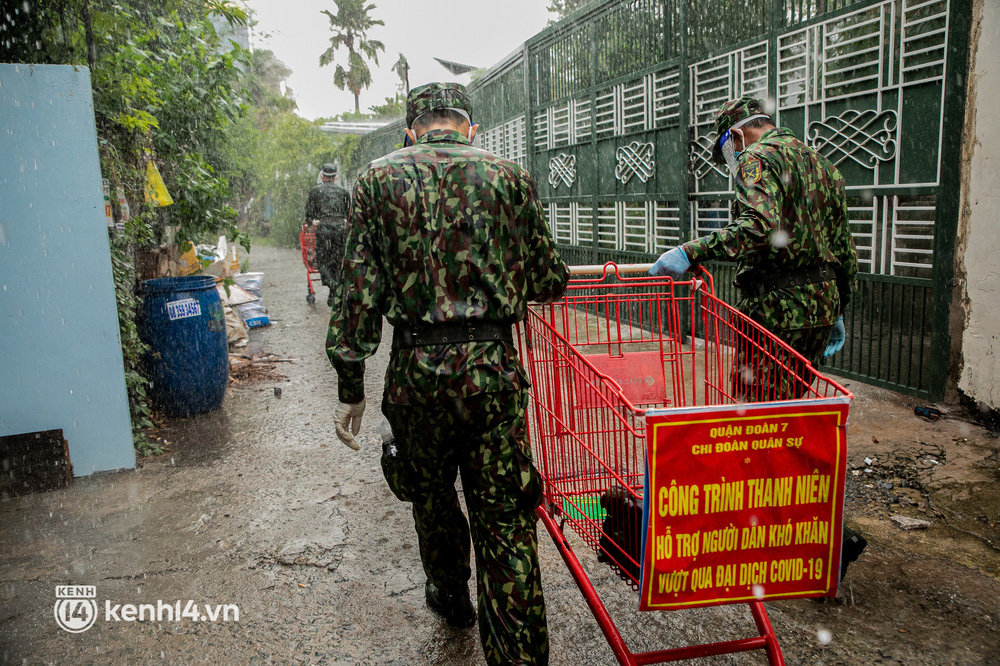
column 612, row 112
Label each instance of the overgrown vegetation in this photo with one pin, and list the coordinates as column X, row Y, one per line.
column 350, row 26
column 170, row 87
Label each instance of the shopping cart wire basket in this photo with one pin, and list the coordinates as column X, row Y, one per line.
column 307, row 241
column 618, row 348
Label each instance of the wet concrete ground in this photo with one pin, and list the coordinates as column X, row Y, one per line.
column 260, row 506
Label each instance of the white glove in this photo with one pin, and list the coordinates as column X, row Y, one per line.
column 348, row 421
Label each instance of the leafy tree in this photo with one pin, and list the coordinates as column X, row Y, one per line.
column 350, row 26
column 281, row 153
column 166, row 88
column 563, row 8
column 394, row 107
column 402, row 69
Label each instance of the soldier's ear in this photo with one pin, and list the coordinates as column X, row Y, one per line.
column 738, row 135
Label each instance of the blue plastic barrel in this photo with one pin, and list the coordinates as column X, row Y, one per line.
column 183, row 323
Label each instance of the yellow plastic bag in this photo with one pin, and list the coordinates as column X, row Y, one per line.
column 188, row 263
column 156, row 190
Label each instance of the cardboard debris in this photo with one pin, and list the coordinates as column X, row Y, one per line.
column 236, row 332
column 907, row 523
column 237, row 295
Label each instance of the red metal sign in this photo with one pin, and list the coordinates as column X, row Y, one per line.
column 743, row 502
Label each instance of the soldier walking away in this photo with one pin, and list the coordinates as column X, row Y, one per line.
column 449, row 243
column 791, row 235
column 327, row 207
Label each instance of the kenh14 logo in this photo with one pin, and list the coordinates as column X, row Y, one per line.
column 76, row 607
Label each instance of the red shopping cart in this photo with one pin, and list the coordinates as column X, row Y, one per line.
column 620, row 353
column 307, row 241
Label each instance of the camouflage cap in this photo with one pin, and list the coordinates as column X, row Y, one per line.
column 731, row 113
column 329, row 170
column 434, row 96
column 736, row 110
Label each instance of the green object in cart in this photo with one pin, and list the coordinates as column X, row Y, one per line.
column 584, row 506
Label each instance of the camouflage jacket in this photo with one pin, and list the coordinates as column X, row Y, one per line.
column 328, row 202
column 790, row 214
column 440, row 232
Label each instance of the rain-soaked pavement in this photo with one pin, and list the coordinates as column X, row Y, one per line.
column 259, row 506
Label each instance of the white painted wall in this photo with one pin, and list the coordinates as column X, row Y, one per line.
column 980, row 378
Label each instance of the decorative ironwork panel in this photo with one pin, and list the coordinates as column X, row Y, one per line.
column 635, row 159
column 634, row 108
column 608, row 227
column 666, row 225
column 582, row 121
column 561, row 119
column 632, row 34
column 561, row 222
column 712, row 26
column 866, row 137
column 666, row 97
column 500, row 95
column 700, row 159
column 708, row 216
column 913, row 235
column 542, row 130
column 606, row 120
column 791, row 12
column 848, row 56
column 868, row 228
column 925, row 34
column 799, row 67
column 894, row 235
column 721, row 78
column 563, row 65
column 506, row 140
column 562, row 170
column 584, row 224
column 863, row 81
column 635, row 225
column 854, row 49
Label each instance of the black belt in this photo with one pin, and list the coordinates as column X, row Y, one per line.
column 775, row 281
column 407, row 336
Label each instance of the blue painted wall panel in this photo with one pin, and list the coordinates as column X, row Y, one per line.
column 60, row 356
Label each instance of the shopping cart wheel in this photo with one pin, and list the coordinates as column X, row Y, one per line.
column 310, row 299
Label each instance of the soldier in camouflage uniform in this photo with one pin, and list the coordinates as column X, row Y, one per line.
column 328, row 205
column 449, row 243
column 791, row 236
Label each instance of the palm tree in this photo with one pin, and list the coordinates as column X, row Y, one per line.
column 350, row 28
column 402, row 69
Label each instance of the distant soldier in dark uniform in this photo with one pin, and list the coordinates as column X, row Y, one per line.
column 328, row 207
column 791, row 236
column 449, row 243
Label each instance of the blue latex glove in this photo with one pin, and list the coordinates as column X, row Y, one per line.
column 672, row 263
column 836, row 338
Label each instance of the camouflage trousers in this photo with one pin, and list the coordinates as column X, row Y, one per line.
column 484, row 438
column 767, row 372
column 331, row 239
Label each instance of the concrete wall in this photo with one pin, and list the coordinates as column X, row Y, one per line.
column 980, row 375
column 60, row 356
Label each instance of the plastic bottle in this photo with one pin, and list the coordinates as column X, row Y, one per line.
column 388, row 439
